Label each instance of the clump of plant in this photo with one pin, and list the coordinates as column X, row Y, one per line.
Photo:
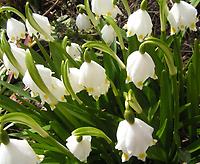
column 122, row 96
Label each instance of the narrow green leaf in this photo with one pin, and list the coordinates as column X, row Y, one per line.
column 92, row 132
column 8, row 8
column 23, row 119
column 193, row 146
column 17, row 90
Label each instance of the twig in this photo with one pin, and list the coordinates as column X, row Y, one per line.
column 51, row 8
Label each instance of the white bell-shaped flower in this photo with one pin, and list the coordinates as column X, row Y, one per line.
column 19, row 152
column 74, row 50
column 19, row 54
column 54, row 85
column 43, row 22
column 182, row 15
column 93, row 78
column 15, row 30
column 80, row 149
column 102, row 7
column 74, row 76
column 134, row 139
column 108, row 34
column 139, row 23
column 139, row 68
column 83, row 22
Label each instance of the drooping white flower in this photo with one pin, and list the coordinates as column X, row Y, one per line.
column 19, row 54
column 139, row 23
column 74, row 50
column 139, row 68
column 54, row 85
column 93, row 78
column 74, row 76
column 102, row 7
column 43, row 22
column 19, row 152
column 83, row 22
column 134, row 139
column 108, row 34
column 15, row 30
column 80, row 150
column 182, row 15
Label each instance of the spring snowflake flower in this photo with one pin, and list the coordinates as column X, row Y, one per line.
column 108, row 34
column 134, row 139
column 74, row 50
column 80, row 149
column 43, row 22
column 105, row 7
column 14, row 33
column 139, row 23
column 93, row 78
column 83, row 22
column 74, row 76
column 19, row 152
column 55, row 86
column 182, row 15
column 19, row 54
column 139, row 68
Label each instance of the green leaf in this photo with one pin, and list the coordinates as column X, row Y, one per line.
column 23, row 119
column 8, row 8
column 17, row 90
column 92, row 132
column 193, row 146
column 65, row 77
column 37, row 78
column 195, row 2
column 7, row 49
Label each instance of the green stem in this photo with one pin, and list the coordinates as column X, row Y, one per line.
column 167, row 52
column 4, row 138
column 143, row 5
column 178, row 57
column 176, row 110
column 90, row 14
column 8, row 8
column 126, row 6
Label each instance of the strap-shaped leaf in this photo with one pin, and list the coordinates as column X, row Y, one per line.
column 22, row 118
column 92, row 132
